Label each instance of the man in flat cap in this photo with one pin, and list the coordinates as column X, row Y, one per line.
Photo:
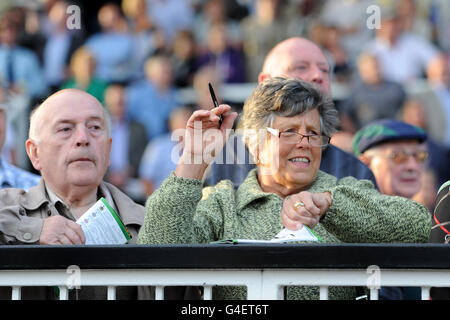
column 395, row 152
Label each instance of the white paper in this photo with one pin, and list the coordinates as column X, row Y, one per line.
column 285, row 235
column 303, row 234
column 100, row 225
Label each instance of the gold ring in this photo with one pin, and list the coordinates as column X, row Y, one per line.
column 298, row 204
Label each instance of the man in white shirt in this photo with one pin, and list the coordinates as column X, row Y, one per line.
column 403, row 56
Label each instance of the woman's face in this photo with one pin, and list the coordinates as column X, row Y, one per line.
column 291, row 166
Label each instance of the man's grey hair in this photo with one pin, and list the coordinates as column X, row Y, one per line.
column 36, row 123
column 285, row 97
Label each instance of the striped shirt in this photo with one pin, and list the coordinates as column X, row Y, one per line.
column 14, row 177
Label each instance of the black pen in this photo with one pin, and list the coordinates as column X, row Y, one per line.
column 214, row 99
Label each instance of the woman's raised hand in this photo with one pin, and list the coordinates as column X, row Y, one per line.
column 204, row 138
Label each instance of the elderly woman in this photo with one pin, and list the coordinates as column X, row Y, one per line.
column 286, row 189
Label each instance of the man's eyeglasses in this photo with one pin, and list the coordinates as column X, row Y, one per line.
column 292, row 137
column 402, row 156
column 399, row 157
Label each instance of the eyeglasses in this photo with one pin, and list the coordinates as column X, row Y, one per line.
column 292, row 137
column 402, row 156
column 399, row 157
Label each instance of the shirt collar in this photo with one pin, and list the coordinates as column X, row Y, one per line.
column 102, row 191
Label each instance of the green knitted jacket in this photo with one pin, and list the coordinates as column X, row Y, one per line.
column 180, row 211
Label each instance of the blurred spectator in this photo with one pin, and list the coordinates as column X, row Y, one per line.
column 349, row 17
column 327, row 36
column 436, row 100
column 10, row 175
column 214, row 12
column 113, row 46
column 22, row 79
column 403, row 56
column 372, row 97
column 24, row 15
column 261, row 31
column 395, row 152
column 202, row 77
column 439, row 16
column 184, row 59
column 415, row 113
column 411, row 21
column 228, row 61
column 20, row 70
column 343, row 140
column 82, row 67
column 129, row 139
column 136, row 12
column 301, row 14
column 170, row 16
column 151, row 100
column 147, row 39
column 59, row 47
column 162, row 153
column 438, row 75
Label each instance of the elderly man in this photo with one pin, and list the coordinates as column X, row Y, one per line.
column 304, row 60
column 395, row 152
column 69, row 143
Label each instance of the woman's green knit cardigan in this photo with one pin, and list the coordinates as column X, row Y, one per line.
column 182, row 212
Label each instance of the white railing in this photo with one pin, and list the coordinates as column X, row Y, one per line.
column 261, row 284
column 321, row 266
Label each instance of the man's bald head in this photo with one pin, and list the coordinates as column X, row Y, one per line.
column 66, row 98
column 69, row 142
column 299, row 58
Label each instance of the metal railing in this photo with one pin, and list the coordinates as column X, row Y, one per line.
column 264, row 269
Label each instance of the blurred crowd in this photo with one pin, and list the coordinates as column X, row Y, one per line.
column 136, row 56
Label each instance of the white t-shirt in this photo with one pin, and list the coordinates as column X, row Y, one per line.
column 406, row 60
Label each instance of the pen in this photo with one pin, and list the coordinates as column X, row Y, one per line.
column 214, row 99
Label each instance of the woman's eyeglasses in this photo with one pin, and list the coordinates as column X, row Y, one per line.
column 292, row 137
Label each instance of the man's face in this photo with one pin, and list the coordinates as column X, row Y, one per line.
column 8, row 35
column 74, row 144
column 303, row 60
column 399, row 179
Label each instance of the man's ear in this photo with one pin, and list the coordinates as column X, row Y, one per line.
column 263, row 76
column 364, row 159
column 32, row 147
column 109, row 151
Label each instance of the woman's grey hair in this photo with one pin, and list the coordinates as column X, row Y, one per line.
column 285, row 98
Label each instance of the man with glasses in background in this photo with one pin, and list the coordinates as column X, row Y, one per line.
column 396, row 153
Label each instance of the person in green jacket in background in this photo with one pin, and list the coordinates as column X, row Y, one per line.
column 286, row 124
column 82, row 67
